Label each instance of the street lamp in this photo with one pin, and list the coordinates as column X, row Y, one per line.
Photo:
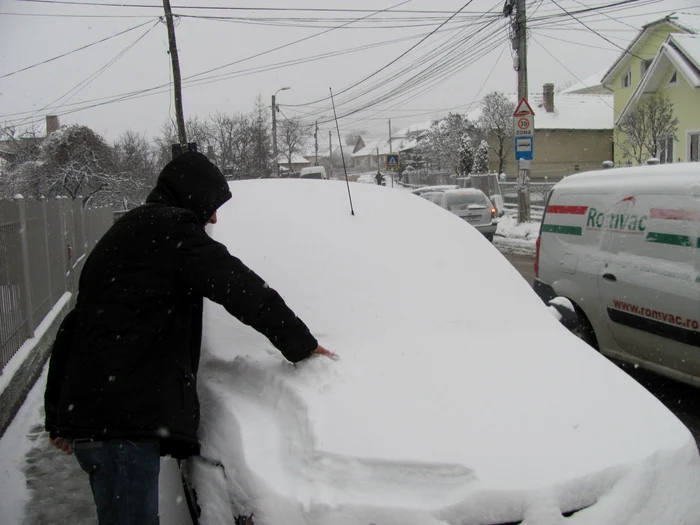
column 274, row 128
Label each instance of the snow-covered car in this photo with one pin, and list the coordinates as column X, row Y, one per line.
column 367, row 178
column 430, row 189
column 473, row 206
column 442, row 409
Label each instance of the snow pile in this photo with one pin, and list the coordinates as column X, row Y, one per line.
column 512, row 237
column 434, row 414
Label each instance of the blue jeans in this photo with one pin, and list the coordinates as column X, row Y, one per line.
column 124, row 479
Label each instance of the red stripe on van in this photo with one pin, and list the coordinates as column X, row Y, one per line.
column 674, row 215
column 567, row 210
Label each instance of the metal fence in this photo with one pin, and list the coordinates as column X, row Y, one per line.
column 43, row 246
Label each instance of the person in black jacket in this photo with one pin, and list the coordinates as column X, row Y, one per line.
column 121, row 387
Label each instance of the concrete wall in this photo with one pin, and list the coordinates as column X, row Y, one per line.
column 562, row 152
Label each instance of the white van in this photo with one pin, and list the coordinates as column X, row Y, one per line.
column 623, row 245
column 314, row 172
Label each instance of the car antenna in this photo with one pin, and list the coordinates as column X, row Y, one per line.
column 342, row 155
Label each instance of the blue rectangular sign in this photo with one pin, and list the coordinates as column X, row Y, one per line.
column 524, row 148
column 392, row 161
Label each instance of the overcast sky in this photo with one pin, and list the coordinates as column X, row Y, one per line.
column 467, row 58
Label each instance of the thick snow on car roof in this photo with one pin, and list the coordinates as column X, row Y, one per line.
column 640, row 178
column 442, row 408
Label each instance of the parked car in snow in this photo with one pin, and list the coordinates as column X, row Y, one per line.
column 431, row 189
column 367, row 178
column 623, row 245
column 313, row 172
column 442, row 409
column 473, row 206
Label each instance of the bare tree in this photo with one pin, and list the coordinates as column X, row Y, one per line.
column 292, row 136
column 261, row 162
column 135, row 160
column 224, row 133
column 642, row 130
column 496, row 122
column 198, row 131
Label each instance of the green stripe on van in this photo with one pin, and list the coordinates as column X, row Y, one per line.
column 565, row 230
column 669, row 238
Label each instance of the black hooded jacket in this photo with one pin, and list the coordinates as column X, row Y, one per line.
column 124, row 363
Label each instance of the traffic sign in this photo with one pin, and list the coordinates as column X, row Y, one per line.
column 524, row 148
column 392, row 160
column 524, row 126
column 523, row 108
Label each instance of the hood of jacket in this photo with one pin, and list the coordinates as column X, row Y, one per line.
column 192, row 182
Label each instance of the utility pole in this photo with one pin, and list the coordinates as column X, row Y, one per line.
column 316, row 142
column 391, row 150
column 177, row 81
column 275, row 154
column 330, row 151
column 523, row 165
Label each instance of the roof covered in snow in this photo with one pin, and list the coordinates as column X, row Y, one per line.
column 580, row 112
column 589, row 85
column 296, row 159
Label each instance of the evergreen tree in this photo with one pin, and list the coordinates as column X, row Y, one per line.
column 481, row 158
column 466, row 155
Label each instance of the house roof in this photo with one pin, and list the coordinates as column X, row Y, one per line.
column 296, row 159
column 680, row 51
column 586, row 85
column 686, row 22
column 579, row 112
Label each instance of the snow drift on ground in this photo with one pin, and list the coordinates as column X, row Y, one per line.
column 512, row 237
column 439, row 410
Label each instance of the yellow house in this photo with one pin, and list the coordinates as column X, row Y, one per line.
column 625, row 75
column 675, row 73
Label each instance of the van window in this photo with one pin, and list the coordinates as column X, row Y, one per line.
column 311, row 176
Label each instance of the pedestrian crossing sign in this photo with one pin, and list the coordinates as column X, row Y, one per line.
column 392, row 160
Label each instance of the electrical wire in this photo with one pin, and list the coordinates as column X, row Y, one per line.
column 74, row 50
column 573, row 75
column 88, row 80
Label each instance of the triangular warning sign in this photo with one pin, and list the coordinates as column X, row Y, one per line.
column 523, row 109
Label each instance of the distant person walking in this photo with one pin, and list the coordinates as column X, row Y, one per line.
column 121, row 389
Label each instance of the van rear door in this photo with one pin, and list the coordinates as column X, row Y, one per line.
column 650, row 289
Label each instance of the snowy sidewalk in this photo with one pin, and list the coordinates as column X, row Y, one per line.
column 40, row 485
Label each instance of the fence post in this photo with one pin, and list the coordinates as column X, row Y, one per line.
column 42, row 199
column 64, row 242
column 22, row 207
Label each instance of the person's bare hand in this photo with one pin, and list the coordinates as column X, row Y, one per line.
column 62, row 444
column 325, row 352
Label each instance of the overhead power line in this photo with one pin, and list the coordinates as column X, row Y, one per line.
column 594, row 31
column 75, row 50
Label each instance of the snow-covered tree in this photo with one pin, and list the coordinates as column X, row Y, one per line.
column 261, row 161
column 481, row 158
column 75, row 162
column 466, row 155
column 642, row 130
column 441, row 146
column 496, row 122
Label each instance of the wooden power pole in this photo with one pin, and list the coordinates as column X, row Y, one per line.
column 523, row 165
column 330, row 151
column 177, row 80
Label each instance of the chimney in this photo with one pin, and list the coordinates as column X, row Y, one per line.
column 548, row 97
column 51, row 124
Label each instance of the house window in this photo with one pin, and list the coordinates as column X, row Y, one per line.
column 674, row 79
column 627, row 79
column 645, row 66
column 693, row 147
column 666, row 150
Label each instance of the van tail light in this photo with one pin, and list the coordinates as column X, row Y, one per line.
column 537, row 257
column 493, row 212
